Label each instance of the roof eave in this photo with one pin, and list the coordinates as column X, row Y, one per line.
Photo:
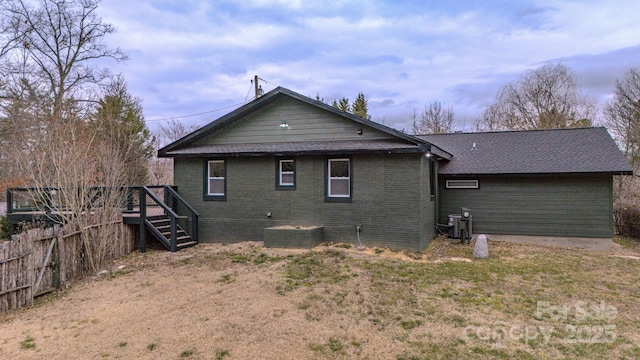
column 608, row 172
column 299, row 153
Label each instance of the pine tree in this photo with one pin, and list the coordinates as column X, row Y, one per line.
column 342, row 104
column 360, row 107
column 121, row 122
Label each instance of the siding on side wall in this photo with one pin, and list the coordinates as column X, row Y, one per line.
column 389, row 193
column 560, row 205
column 306, row 123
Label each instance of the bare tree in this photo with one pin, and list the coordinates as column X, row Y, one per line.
column 433, row 120
column 545, row 98
column 80, row 179
column 172, row 131
column 46, row 69
column 161, row 169
column 622, row 117
column 59, row 40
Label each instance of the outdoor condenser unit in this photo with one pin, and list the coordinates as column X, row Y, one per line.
column 455, row 231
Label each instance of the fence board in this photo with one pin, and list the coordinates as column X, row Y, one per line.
column 51, row 259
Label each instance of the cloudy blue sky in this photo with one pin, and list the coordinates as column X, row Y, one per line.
column 195, row 56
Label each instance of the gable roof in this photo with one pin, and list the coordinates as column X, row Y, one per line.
column 398, row 142
column 585, row 150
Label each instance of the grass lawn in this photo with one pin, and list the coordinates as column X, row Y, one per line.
column 524, row 302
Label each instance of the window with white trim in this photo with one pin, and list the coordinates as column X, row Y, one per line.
column 286, row 174
column 216, row 184
column 462, row 184
column 339, row 178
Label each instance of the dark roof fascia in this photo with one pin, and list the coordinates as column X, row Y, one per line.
column 540, row 174
column 272, row 96
column 299, row 153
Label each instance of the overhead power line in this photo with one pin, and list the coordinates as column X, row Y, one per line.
column 246, row 99
column 198, row 114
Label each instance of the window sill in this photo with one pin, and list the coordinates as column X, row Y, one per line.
column 329, row 199
column 215, row 198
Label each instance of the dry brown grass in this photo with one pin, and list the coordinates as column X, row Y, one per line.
column 242, row 301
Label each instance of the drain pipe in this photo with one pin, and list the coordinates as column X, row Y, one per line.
column 358, row 230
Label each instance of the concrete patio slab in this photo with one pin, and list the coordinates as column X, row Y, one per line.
column 602, row 244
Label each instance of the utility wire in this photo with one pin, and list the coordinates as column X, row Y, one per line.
column 246, row 99
column 191, row 115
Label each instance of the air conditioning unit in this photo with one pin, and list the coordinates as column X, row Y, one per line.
column 455, row 228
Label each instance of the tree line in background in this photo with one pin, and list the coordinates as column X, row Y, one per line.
column 68, row 130
column 550, row 97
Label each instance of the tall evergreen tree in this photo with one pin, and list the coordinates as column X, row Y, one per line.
column 119, row 119
column 360, row 107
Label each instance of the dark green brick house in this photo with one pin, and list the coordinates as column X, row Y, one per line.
column 539, row 182
column 286, row 159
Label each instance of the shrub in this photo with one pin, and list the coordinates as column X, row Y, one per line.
column 626, row 219
column 5, row 228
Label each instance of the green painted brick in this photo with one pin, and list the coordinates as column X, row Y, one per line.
column 553, row 205
column 389, row 200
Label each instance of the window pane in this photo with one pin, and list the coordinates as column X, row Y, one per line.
column 216, row 169
column 287, row 179
column 216, row 186
column 339, row 168
column 286, row 166
column 339, row 187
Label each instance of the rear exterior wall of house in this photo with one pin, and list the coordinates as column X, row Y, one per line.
column 390, row 199
column 577, row 205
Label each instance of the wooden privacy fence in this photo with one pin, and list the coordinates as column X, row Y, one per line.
column 39, row 261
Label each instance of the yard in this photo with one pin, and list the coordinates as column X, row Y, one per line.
column 242, row 301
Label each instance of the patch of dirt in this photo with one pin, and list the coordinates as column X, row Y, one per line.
column 217, row 301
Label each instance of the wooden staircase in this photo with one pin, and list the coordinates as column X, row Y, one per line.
column 171, row 220
column 160, row 227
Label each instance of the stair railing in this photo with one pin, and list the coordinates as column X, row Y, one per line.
column 188, row 216
column 144, row 193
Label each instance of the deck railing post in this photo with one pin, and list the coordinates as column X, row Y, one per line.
column 9, row 201
column 194, row 227
column 129, row 198
column 143, row 219
column 174, row 235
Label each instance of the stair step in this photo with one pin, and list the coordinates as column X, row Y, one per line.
column 187, row 244
column 167, row 233
column 160, row 221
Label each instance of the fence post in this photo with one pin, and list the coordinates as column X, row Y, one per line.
column 62, row 260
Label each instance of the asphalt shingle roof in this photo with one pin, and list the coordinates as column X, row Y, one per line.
column 588, row 150
column 298, row 148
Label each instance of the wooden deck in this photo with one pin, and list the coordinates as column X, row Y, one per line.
column 157, row 209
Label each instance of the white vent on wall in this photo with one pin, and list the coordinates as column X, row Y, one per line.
column 462, row 184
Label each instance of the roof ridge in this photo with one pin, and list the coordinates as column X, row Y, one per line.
column 513, row 131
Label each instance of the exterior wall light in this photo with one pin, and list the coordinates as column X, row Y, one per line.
column 284, row 125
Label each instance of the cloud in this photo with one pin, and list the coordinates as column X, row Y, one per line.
column 194, row 56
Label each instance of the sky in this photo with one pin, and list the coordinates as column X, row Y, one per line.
column 193, row 60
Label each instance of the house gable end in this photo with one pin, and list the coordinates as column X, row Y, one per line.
column 287, row 119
